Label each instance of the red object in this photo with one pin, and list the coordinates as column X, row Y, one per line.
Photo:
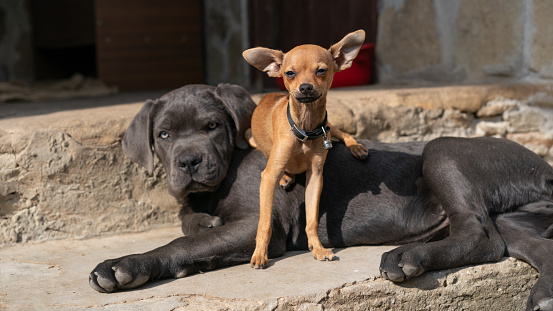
column 360, row 72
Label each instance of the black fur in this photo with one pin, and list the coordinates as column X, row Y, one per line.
column 488, row 197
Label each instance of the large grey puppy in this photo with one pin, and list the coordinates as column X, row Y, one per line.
column 475, row 200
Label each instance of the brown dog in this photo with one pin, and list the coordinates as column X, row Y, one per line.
column 292, row 130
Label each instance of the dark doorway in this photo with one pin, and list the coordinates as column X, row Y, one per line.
column 132, row 44
column 63, row 38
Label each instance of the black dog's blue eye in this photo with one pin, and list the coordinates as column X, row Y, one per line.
column 290, row 74
column 163, row 135
column 321, row 71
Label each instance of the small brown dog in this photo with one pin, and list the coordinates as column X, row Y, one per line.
column 292, row 130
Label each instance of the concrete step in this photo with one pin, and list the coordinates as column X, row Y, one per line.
column 53, row 276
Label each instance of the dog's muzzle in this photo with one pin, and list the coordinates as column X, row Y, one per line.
column 307, row 99
column 189, row 163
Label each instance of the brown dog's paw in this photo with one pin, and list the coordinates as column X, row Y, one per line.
column 287, row 181
column 259, row 261
column 359, row 151
column 323, row 254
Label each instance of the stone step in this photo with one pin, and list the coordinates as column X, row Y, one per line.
column 53, row 276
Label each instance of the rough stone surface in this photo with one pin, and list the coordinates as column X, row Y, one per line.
column 56, row 273
column 402, row 47
column 464, row 40
column 542, row 43
column 63, row 174
column 488, row 38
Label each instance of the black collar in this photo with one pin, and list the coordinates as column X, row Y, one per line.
column 302, row 135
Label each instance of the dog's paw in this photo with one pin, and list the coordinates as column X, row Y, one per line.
column 398, row 266
column 195, row 223
column 541, row 295
column 287, row 181
column 259, row 260
column 359, row 151
column 208, row 221
column 543, row 305
column 122, row 273
column 323, row 254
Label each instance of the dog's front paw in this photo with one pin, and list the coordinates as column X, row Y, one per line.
column 397, row 266
column 259, row 260
column 323, row 254
column 359, row 151
column 122, row 273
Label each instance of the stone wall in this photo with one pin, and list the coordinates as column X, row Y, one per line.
column 63, row 174
column 524, row 116
column 464, row 40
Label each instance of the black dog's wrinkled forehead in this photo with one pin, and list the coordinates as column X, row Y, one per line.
column 189, row 105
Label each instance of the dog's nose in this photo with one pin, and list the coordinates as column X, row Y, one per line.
column 189, row 163
column 306, row 88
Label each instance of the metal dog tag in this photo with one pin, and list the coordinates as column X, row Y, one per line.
column 327, row 144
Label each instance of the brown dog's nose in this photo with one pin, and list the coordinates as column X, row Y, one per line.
column 189, row 163
column 306, row 88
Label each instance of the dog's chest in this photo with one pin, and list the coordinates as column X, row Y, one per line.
column 306, row 156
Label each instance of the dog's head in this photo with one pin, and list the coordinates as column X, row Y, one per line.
column 193, row 131
column 307, row 70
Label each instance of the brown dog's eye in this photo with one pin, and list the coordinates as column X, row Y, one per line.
column 321, row 71
column 290, row 74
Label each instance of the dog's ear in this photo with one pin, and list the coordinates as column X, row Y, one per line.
column 138, row 140
column 240, row 106
column 266, row 60
column 345, row 51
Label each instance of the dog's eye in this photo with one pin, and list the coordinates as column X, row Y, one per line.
column 163, row 135
column 321, row 71
column 212, row 125
column 290, row 74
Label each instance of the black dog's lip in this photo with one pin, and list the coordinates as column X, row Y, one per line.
column 307, row 99
column 201, row 187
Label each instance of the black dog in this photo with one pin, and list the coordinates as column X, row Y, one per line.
column 491, row 197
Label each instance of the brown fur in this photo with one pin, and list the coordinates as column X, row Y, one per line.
column 314, row 67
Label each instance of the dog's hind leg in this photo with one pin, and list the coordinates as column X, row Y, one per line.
column 527, row 235
column 287, row 180
column 473, row 237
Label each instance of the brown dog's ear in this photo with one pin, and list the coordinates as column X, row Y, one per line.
column 240, row 105
column 138, row 140
column 345, row 51
column 266, row 60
